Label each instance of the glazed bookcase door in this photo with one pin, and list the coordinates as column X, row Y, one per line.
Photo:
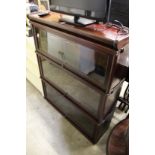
column 88, row 98
column 87, row 62
column 75, row 115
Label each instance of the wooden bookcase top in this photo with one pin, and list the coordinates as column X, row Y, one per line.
column 100, row 33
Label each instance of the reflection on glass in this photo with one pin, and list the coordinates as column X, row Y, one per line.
column 87, row 61
column 70, row 110
column 86, row 96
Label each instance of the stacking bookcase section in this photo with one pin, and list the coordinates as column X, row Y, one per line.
column 68, row 83
column 88, row 98
column 84, row 59
column 91, row 129
column 70, row 110
column 82, row 71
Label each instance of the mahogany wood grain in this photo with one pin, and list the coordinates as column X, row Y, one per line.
column 97, row 32
column 118, row 139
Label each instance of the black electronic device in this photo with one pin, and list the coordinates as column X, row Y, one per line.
column 43, row 13
column 86, row 12
column 94, row 10
column 119, row 10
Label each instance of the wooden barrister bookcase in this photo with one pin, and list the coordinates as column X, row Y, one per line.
column 82, row 70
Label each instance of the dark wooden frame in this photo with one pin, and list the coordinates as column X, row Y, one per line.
column 112, row 55
column 73, row 73
column 94, row 139
column 103, row 98
column 107, row 42
column 105, row 46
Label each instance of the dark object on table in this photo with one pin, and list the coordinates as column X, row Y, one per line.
column 43, row 13
column 118, row 141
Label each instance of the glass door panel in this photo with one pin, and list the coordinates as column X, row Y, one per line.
column 87, row 97
column 70, row 110
column 86, row 61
